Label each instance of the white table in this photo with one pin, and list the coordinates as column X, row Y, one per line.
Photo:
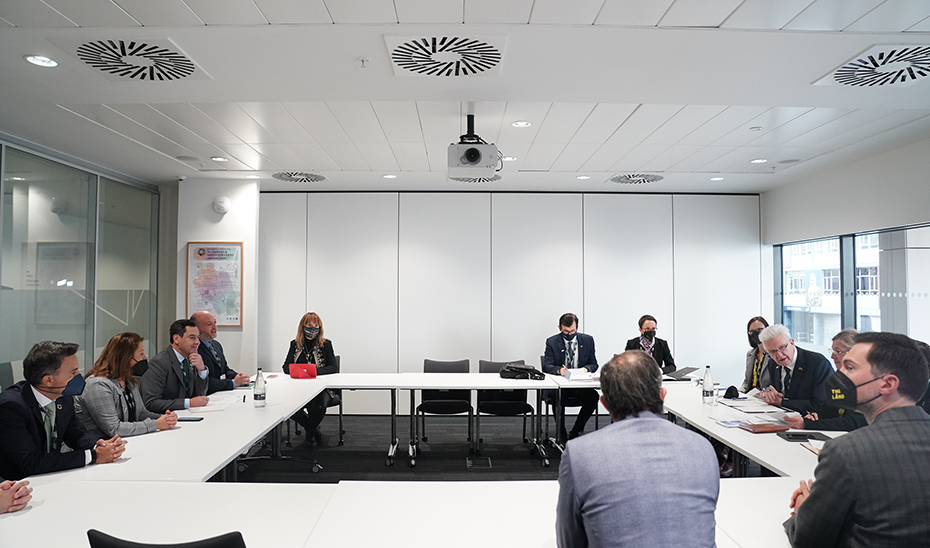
column 751, row 510
column 61, row 513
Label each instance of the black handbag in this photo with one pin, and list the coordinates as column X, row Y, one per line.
column 516, row 371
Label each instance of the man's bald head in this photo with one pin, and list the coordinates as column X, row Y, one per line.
column 632, row 383
column 206, row 323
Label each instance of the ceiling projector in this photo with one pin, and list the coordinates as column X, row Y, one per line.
column 473, row 160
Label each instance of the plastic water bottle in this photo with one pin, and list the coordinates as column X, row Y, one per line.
column 258, row 393
column 707, row 388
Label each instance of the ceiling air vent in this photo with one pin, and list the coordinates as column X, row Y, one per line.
column 636, row 179
column 136, row 60
column 446, row 55
column 883, row 66
column 476, row 179
column 298, row 177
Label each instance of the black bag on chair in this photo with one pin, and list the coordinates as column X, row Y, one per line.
column 515, row 371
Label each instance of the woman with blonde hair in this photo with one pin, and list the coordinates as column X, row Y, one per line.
column 111, row 404
column 310, row 346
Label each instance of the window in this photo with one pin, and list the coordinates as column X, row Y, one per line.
column 867, row 280
column 831, row 281
column 797, row 283
column 811, row 292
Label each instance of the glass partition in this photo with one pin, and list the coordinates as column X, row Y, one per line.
column 811, row 279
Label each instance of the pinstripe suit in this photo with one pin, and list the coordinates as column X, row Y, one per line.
column 104, row 412
column 872, row 487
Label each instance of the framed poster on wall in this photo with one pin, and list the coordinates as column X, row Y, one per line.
column 214, row 280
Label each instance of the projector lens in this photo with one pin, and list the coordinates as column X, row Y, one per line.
column 471, row 156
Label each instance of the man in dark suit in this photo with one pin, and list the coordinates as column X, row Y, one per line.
column 571, row 350
column 652, row 345
column 37, row 417
column 177, row 378
column 799, row 375
column 211, row 352
column 872, row 483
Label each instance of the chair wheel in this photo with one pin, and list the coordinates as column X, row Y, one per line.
column 316, row 468
column 242, row 467
column 342, row 442
column 480, row 440
column 424, row 438
column 412, row 463
column 526, row 440
column 389, row 462
column 546, row 463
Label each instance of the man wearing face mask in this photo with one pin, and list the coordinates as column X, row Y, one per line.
column 652, row 345
column 571, row 350
column 871, row 484
column 176, row 377
column 37, row 417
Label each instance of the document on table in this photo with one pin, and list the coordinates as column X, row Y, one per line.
column 218, row 402
column 751, row 405
column 578, row 374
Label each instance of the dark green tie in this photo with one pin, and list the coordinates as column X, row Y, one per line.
column 49, row 425
column 787, row 380
column 186, row 370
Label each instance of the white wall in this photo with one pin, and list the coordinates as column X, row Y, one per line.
column 882, row 191
column 197, row 222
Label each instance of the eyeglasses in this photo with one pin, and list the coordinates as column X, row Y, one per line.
column 779, row 350
column 838, row 353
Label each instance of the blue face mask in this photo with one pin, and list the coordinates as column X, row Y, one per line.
column 75, row 386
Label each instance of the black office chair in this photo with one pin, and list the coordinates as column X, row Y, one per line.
column 6, row 375
column 337, row 400
column 445, row 402
column 567, row 401
column 103, row 540
column 504, row 403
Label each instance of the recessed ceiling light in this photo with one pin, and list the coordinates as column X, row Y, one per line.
column 521, row 123
column 716, row 178
column 755, row 128
column 18, row 178
column 758, row 161
column 41, row 60
column 509, row 158
column 253, row 177
column 389, row 176
column 583, row 177
column 219, row 159
column 789, row 161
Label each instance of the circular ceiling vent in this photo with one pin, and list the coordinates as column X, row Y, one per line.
column 298, row 177
column 636, row 179
column 901, row 65
column 476, row 179
column 136, row 60
column 445, row 56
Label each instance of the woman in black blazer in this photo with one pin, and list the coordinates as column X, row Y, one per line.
column 310, row 346
column 652, row 345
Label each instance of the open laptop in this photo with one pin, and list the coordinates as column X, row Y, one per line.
column 303, row 370
column 679, row 374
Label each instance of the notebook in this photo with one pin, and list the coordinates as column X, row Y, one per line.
column 679, row 374
column 303, row 370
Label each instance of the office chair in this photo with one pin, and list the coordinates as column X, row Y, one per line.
column 337, row 400
column 6, row 375
column 444, row 402
column 103, row 540
column 504, row 403
column 567, row 401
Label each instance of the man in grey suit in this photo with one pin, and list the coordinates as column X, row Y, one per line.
column 642, row 481
column 872, row 485
column 177, row 377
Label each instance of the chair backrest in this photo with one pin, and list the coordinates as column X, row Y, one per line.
column 103, row 540
column 485, row 366
column 337, row 363
column 459, row 366
column 6, row 375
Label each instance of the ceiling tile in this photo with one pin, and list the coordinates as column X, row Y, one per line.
column 764, row 14
column 559, row 12
column 429, row 11
column 871, row 129
column 837, row 127
column 923, row 26
column 701, row 158
column 698, row 13
column 722, row 124
column 121, row 125
column 669, row 157
column 831, row 14
column 768, row 121
column 294, row 12
column 892, row 16
column 642, row 123
column 346, row 156
column 607, row 155
column 603, row 122
column 562, row 122
column 489, row 117
column 808, row 121
column 159, row 123
column 249, row 156
column 277, row 121
column 164, row 13
column 573, row 157
column 645, row 13
column 437, row 155
column 411, row 156
column 318, row 121
column 399, row 121
column 738, row 161
column 441, row 122
column 93, row 13
column 205, row 152
column 361, row 11
column 358, row 120
column 28, row 14
column 196, row 121
column 534, row 113
column 683, row 123
column 512, row 12
column 639, row 156
column 313, row 156
column 5, row 24
column 227, row 12
column 378, row 156
column 541, row 156
column 240, row 124
column 281, row 156
column 518, row 151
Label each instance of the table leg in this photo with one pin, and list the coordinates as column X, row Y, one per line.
column 276, row 441
column 537, row 430
column 414, row 435
column 392, row 449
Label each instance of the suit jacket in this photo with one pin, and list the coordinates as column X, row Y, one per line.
column 22, row 435
column 104, row 411
column 807, row 390
column 835, row 419
column 764, row 371
column 221, row 376
column 642, row 481
column 554, row 358
column 306, row 356
column 660, row 352
column 871, row 486
column 162, row 385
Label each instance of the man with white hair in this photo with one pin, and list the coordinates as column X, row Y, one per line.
column 799, row 375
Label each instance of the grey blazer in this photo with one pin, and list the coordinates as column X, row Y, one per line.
column 162, row 385
column 104, row 411
column 642, row 481
column 764, row 374
column 871, row 488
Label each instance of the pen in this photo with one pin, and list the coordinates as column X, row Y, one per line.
column 243, row 398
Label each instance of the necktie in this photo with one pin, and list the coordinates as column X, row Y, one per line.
column 787, row 379
column 49, row 425
column 571, row 355
column 186, row 370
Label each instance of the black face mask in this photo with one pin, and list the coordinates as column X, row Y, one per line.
column 754, row 337
column 841, row 392
column 568, row 336
column 650, row 335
